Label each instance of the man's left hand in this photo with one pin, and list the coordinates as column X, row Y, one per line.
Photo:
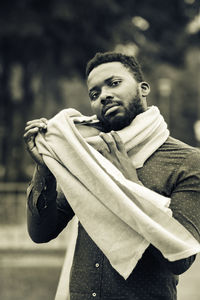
column 115, row 152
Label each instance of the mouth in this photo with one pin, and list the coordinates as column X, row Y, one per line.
column 109, row 109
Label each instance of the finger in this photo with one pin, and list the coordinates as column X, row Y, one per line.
column 120, row 145
column 38, row 120
column 30, row 134
column 105, row 153
column 40, row 125
column 44, row 120
column 30, row 144
column 36, row 156
column 110, row 142
column 41, row 120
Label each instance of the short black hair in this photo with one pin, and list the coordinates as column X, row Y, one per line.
column 130, row 62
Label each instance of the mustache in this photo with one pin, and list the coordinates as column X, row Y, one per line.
column 111, row 103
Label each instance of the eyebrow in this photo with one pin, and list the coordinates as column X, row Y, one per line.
column 105, row 81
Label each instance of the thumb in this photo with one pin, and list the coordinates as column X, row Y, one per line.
column 36, row 156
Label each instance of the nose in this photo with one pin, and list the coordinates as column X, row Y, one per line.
column 105, row 96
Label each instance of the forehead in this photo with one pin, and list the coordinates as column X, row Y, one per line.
column 107, row 70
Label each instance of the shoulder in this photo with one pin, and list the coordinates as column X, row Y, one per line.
column 178, row 159
column 180, row 150
column 188, row 159
column 175, row 144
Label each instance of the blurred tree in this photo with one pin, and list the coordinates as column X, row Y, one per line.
column 44, row 41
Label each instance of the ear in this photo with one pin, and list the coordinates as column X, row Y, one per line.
column 144, row 88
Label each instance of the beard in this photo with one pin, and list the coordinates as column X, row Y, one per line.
column 134, row 108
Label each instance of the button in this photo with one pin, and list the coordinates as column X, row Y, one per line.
column 97, row 265
column 94, row 294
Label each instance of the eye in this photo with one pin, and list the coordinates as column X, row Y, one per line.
column 115, row 82
column 93, row 95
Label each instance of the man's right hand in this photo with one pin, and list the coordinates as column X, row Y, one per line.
column 31, row 130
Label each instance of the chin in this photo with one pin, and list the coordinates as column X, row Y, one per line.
column 119, row 123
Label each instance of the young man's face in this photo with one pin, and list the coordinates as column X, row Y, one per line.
column 114, row 95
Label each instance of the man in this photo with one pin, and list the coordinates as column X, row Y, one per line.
column 118, row 94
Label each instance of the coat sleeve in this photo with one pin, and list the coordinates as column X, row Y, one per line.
column 185, row 198
column 48, row 212
column 185, row 206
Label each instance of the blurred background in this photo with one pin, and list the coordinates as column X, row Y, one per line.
column 44, row 47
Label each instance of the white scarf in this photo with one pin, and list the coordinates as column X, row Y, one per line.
column 122, row 217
